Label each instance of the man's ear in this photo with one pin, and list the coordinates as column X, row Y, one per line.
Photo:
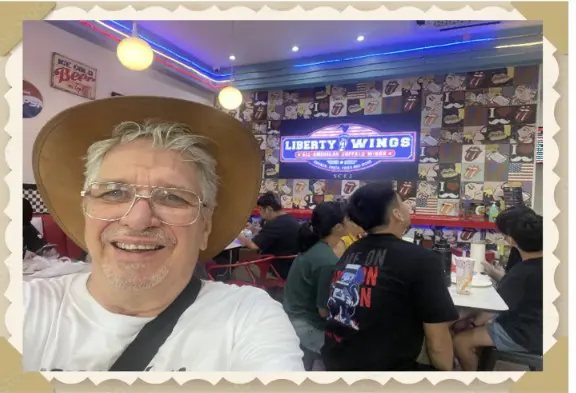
column 207, row 228
column 397, row 214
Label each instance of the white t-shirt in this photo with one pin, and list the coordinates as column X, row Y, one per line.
column 227, row 328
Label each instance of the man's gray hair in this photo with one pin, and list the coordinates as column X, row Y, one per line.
column 171, row 136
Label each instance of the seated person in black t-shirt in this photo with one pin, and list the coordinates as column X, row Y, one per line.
column 279, row 234
column 387, row 295
column 32, row 240
column 520, row 328
column 504, row 222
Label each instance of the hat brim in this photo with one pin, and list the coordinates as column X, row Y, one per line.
column 63, row 142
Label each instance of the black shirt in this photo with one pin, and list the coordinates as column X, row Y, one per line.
column 33, row 241
column 279, row 237
column 513, row 259
column 382, row 292
column 522, row 290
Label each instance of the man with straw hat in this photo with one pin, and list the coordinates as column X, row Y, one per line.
column 153, row 199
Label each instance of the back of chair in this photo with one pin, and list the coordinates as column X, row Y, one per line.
column 263, row 263
column 281, row 266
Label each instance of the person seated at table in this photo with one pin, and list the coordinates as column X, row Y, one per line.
column 387, row 296
column 504, row 222
column 33, row 241
column 306, row 289
column 520, row 328
column 279, row 234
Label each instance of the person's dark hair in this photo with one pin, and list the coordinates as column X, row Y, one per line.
column 528, row 232
column 271, row 200
column 325, row 217
column 370, row 205
column 27, row 210
column 506, row 219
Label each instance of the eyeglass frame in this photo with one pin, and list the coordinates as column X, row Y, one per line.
column 137, row 196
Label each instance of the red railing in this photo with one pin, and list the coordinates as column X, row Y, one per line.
column 416, row 219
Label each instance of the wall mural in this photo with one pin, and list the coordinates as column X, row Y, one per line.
column 477, row 135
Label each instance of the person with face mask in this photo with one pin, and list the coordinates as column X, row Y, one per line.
column 387, row 295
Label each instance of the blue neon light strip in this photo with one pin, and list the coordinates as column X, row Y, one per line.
column 163, row 48
column 394, row 52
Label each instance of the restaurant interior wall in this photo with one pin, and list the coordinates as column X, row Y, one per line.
column 498, row 116
column 42, row 39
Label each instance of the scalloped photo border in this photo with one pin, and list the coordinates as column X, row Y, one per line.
column 554, row 378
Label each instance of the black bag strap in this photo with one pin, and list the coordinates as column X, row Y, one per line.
column 140, row 352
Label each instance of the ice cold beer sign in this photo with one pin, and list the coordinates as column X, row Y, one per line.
column 348, row 148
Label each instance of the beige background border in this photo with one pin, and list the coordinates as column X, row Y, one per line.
column 555, row 16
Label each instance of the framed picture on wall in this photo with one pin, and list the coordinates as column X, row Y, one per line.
column 539, row 147
column 73, row 77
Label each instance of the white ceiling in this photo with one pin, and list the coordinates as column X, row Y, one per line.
column 254, row 42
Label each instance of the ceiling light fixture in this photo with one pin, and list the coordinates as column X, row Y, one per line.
column 230, row 97
column 174, row 64
column 160, row 47
column 134, row 53
column 360, row 38
column 295, row 48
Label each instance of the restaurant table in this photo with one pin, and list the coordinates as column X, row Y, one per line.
column 480, row 298
column 229, row 256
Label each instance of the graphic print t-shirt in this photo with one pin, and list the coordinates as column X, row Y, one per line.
column 382, row 291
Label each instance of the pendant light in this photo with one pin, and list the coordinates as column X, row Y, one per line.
column 134, row 53
column 230, row 97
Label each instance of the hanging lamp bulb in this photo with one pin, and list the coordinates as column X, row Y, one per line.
column 134, row 53
column 230, row 98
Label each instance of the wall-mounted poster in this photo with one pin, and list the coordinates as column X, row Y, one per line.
column 364, row 148
column 33, row 102
column 73, row 77
column 539, row 147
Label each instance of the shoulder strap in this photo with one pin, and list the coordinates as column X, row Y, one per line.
column 140, row 352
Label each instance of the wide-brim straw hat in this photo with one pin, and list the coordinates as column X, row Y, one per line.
column 59, row 150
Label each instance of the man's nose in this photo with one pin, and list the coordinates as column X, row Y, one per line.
column 141, row 216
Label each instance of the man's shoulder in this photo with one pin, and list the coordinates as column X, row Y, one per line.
column 395, row 247
column 232, row 296
column 286, row 219
column 244, row 306
column 49, row 289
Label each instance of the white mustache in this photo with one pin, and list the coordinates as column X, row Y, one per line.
column 148, row 234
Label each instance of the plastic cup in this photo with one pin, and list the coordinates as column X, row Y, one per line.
column 464, row 274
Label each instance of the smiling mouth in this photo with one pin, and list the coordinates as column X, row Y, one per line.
column 136, row 248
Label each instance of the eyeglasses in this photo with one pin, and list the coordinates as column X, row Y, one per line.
column 111, row 201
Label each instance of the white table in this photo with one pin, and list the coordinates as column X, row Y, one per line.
column 235, row 244
column 479, row 298
column 37, row 223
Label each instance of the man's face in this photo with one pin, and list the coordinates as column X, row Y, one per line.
column 265, row 213
column 140, row 163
